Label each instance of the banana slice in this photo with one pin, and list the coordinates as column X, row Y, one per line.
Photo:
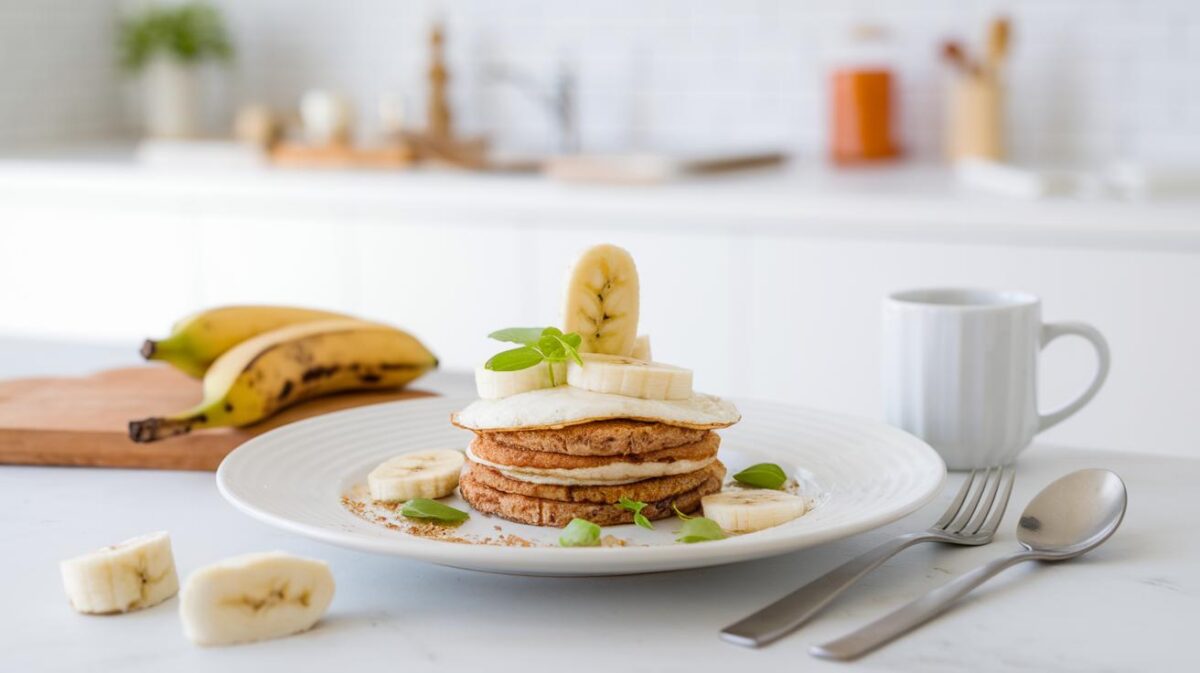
column 422, row 474
column 751, row 510
column 641, row 348
column 629, row 377
column 601, row 301
column 254, row 597
column 130, row 575
column 492, row 385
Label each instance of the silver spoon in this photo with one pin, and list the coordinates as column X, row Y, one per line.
column 1069, row 518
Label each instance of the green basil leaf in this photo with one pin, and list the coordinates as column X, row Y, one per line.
column 763, row 475
column 699, row 529
column 571, row 349
column 515, row 359
column 580, row 533
column 681, row 515
column 518, row 335
column 539, row 344
column 552, row 348
column 424, row 508
column 636, row 507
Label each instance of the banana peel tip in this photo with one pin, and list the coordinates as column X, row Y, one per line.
column 153, row 429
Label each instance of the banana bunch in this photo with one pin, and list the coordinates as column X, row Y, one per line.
column 199, row 339
column 286, row 356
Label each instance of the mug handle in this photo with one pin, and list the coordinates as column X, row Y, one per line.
column 1050, row 332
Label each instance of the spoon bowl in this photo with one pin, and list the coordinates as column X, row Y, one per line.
column 1073, row 515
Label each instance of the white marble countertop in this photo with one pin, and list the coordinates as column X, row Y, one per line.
column 905, row 202
column 1129, row 606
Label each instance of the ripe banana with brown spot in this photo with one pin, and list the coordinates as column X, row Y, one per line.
column 130, row 575
column 421, row 474
column 601, row 301
column 199, row 339
column 262, row 375
column 254, row 597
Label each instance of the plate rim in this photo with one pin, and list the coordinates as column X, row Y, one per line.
column 518, row 559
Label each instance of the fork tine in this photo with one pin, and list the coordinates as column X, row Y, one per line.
column 952, row 510
column 969, row 509
column 1005, row 489
column 992, row 487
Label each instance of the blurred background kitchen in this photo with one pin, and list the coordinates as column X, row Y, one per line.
column 775, row 168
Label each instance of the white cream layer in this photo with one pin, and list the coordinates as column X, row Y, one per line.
column 564, row 405
column 606, row 475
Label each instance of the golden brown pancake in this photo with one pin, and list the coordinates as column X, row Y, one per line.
column 647, row 490
column 599, row 438
column 501, row 454
column 543, row 512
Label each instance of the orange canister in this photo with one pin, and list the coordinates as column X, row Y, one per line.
column 862, row 108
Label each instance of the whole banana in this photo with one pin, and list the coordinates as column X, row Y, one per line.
column 276, row 369
column 199, row 339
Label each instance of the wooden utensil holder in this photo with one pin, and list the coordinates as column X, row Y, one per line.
column 976, row 118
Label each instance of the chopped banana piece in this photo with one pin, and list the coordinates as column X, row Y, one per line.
column 744, row 511
column 421, row 474
column 632, row 378
column 254, row 597
column 492, row 385
column 641, row 348
column 601, row 301
column 130, row 575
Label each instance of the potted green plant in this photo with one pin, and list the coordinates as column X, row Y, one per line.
column 165, row 45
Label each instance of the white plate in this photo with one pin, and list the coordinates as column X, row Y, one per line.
column 857, row 475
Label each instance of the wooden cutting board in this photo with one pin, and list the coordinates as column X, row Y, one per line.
column 84, row 421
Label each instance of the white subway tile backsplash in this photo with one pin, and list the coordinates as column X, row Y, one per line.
column 58, row 70
column 1088, row 79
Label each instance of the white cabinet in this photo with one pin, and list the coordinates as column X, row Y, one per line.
column 98, row 274
column 293, row 261
column 451, row 285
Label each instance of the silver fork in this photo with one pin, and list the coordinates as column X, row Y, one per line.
column 971, row 519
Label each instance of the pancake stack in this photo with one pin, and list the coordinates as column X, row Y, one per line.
column 578, row 418
column 548, row 476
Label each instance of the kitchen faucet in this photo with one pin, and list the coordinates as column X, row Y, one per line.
column 559, row 101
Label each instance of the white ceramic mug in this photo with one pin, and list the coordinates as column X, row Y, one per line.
column 960, row 371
